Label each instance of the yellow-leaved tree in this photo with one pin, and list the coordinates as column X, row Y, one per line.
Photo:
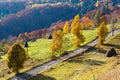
column 16, row 57
column 57, row 41
column 75, row 21
column 66, row 28
column 102, row 32
column 75, row 29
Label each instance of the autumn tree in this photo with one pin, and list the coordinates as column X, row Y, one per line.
column 76, row 27
column 75, row 21
column 86, row 22
column 57, row 41
column 16, row 57
column 102, row 32
column 66, row 28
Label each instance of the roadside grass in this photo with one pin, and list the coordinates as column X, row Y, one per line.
column 92, row 65
column 80, row 68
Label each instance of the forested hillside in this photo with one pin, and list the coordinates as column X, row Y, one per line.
column 36, row 17
column 7, row 8
column 29, row 15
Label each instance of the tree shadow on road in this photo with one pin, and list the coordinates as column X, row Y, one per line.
column 100, row 50
column 83, row 60
column 41, row 77
column 20, row 76
column 113, row 45
column 95, row 62
column 96, row 49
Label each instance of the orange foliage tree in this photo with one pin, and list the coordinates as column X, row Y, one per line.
column 86, row 22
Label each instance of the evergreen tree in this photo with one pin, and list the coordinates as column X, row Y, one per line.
column 16, row 57
column 66, row 28
column 102, row 32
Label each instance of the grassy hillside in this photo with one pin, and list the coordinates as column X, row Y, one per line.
column 93, row 64
column 41, row 48
column 39, row 52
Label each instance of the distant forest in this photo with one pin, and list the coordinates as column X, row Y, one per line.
column 35, row 17
column 29, row 15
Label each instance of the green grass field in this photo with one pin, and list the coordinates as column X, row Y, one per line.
column 41, row 49
column 93, row 64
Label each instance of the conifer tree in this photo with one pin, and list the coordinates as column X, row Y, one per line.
column 16, row 57
column 75, row 29
column 102, row 32
column 57, row 41
column 66, row 28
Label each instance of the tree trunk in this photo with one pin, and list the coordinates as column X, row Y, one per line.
column 17, row 71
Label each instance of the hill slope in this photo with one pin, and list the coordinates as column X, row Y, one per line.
column 35, row 17
column 93, row 64
column 41, row 16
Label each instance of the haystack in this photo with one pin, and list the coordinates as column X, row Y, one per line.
column 111, row 53
column 50, row 36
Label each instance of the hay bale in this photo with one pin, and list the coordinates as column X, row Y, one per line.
column 26, row 44
column 111, row 53
column 50, row 36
